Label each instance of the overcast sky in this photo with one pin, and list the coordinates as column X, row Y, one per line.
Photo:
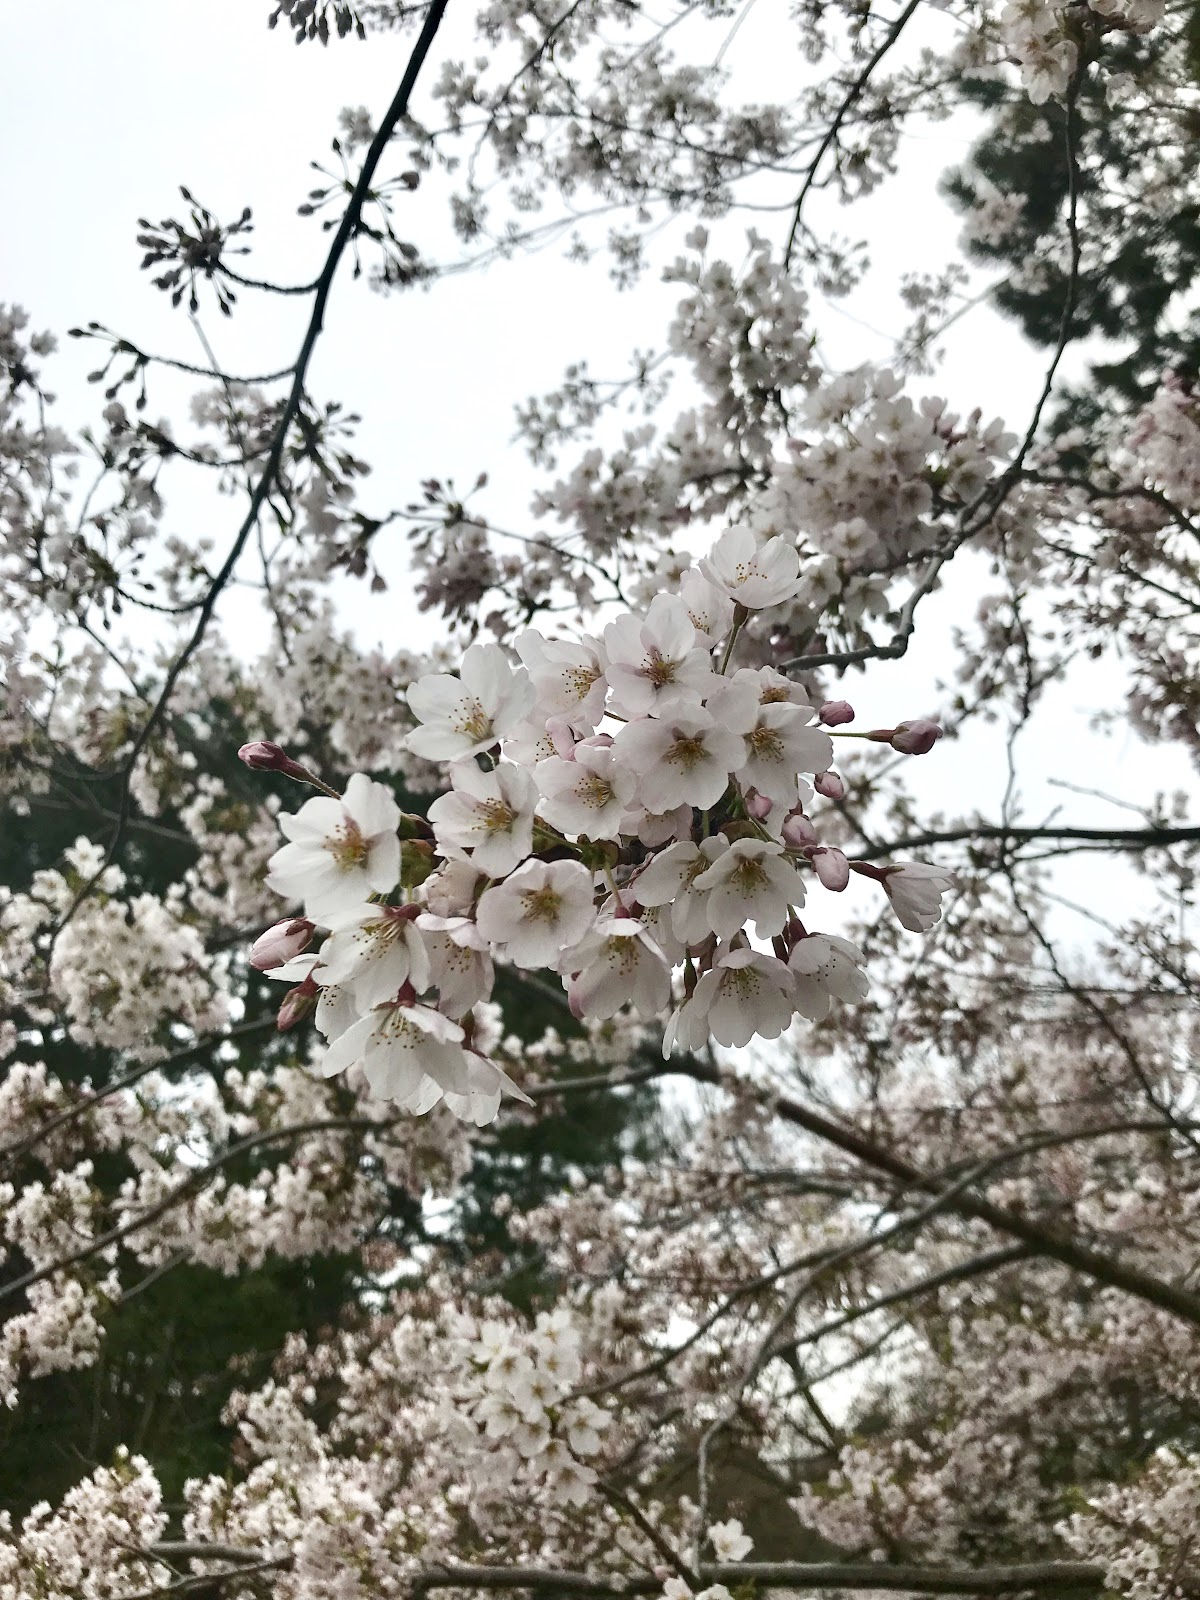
column 108, row 108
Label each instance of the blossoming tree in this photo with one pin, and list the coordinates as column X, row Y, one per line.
column 888, row 1281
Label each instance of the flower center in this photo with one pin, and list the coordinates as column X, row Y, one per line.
column 579, row 680
column 749, row 875
column 470, row 718
column 687, row 752
column 495, row 816
column 594, row 791
column 744, row 981
column 542, row 905
column 765, row 743
column 347, row 846
column 659, row 669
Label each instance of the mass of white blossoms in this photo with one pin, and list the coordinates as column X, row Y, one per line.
column 625, row 812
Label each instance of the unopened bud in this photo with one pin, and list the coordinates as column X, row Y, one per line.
column 832, row 867
column 414, row 827
column 830, row 785
column 416, row 862
column 798, row 831
column 834, row 712
column 916, row 738
column 264, row 755
column 286, row 939
column 298, row 1003
column 758, row 806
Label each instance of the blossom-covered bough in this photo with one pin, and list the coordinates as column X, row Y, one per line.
column 625, row 811
column 405, row 1278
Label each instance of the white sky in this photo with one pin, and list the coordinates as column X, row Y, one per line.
column 108, row 108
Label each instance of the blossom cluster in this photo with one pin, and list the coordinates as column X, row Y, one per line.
column 632, row 863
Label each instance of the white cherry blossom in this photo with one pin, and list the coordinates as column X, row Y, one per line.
column 753, row 573
column 464, row 715
column 617, row 964
column 538, row 911
column 339, row 851
column 826, row 968
column 488, row 813
column 588, row 795
column 567, row 676
column 743, row 993
column 654, row 662
column 730, row 1541
column 708, row 606
column 460, row 964
column 398, row 1046
column 682, row 759
column 750, row 881
column 451, row 890
column 915, row 891
column 487, row 1085
column 669, row 879
column 372, row 952
column 780, row 740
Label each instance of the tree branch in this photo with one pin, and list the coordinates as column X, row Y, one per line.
column 346, row 230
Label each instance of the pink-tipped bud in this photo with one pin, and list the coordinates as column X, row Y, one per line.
column 916, row 738
column 832, row 867
column 834, row 712
column 286, row 939
column 798, row 831
column 830, row 785
column 298, row 1003
column 758, row 806
column 264, row 755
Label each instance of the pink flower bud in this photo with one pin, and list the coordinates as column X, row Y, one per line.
column 297, row 1004
column 832, row 867
column 830, row 785
column 758, row 806
column 916, row 738
column 834, row 712
column 798, row 831
column 264, row 755
column 280, row 943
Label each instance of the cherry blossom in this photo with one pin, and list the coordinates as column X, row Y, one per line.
column 488, row 813
column 655, row 663
column 915, row 891
column 461, row 716
column 684, row 758
column 754, row 573
column 537, row 911
column 750, row 881
column 825, row 968
column 670, row 879
column 618, row 964
column 371, row 953
column 281, row 942
column 340, row 851
column 742, row 994
column 567, row 676
column 589, row 794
